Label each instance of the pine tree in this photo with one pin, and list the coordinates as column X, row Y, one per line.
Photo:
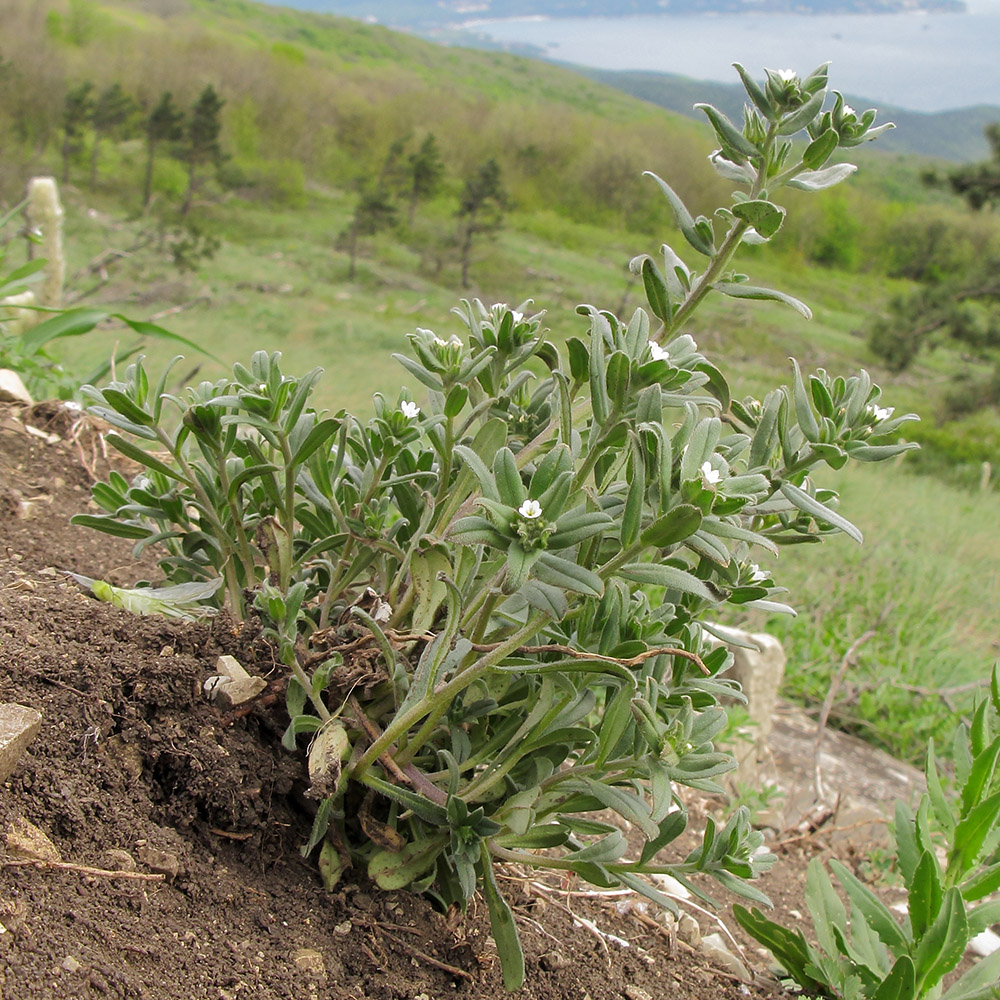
column 201, row 139
column 77, row 110
column 112, row 117
column 426, row 172
column 373, row 213
column 480, row 210
column 163, row 124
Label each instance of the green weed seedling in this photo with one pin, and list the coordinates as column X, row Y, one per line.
column 493, row 602
column 946, row 854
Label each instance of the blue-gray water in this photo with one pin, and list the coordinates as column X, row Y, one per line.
column 926, row 62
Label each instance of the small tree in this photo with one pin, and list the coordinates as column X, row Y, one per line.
column 112, row 117
column 76, row 114
column 201, row 139
column 373, row 213
column 426, row 173
column 979, row 183
column 962, row 306
column 480, row 211
column 165, row 123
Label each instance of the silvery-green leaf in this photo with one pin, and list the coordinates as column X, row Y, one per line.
column 818, row 180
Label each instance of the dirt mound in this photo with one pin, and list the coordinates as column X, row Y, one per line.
column 179, row 828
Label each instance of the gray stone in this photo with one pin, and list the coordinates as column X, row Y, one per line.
column 760, row 671
column 19, row 725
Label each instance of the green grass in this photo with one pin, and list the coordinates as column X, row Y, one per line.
column 926, row 579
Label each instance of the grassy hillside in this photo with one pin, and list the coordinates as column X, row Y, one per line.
column 313, row 107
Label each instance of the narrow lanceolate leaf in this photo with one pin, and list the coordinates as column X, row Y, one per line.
column 810, row 505
column 677, row 524
column 735, row 144
column 878, row 915
column 110, row 525
column 508, row 479
column 503, row 927
column 670, row 577
column 657, row 290
column 738, row 290
column 971, row 833
column 803, row 407
column 944, row 943
column 318, row 436
column 925, row 894
column 558, row 572
column 684, row 220
column 626, row 804
column 756, row 94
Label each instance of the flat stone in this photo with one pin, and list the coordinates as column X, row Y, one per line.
column 309, row 960
column 232, row 686
column 12, row 389
column 714, row 948
column 161, row 862
column 19, row 725
column 25, row 840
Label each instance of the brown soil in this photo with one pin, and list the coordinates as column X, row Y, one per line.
column 135, row 773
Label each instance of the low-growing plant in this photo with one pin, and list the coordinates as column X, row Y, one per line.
column 495, row 605
column 946, row 855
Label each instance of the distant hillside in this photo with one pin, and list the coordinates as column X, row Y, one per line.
column 433, row 13
column 948, row 135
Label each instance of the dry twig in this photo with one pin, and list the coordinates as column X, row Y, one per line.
column 42, row 865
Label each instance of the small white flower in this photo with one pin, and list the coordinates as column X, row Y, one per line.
column 709, row 476
column 880, row 413
column 409, row 410
column 454, row 341
column 438, row 342
column 262, row 387
column 848, row 111
column 530, row 509
column 787, row 75
column 517, row 317
column 757, row 575
column 659, row 354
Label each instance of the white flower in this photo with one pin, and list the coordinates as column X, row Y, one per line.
column 848, row 111
column 880, row 413
column 710, row 477
column 787, row 75
column 516, row 316
column 757, row 575
column 530, row 509
column 438, row 342
column 262, row 387
column 409, row 410
column 659, row 354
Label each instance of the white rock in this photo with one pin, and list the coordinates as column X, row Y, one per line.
column 985, row 944
column 670, row 885
column 12, row 389
column 714, row 948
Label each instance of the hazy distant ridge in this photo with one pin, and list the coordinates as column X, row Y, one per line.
column 950, row 135
column 426, row 14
